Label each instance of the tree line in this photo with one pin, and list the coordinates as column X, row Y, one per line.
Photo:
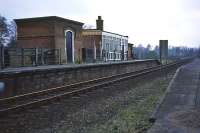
column 150, row 52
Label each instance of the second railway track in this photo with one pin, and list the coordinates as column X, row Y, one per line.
column 25, row 101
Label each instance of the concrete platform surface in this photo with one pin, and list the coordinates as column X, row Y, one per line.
column 179, row 111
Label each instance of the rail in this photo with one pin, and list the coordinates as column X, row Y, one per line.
column 25, row 101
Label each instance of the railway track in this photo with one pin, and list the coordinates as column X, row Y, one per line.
column 29, row 100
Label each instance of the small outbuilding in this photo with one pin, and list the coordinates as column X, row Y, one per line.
column 51, row 32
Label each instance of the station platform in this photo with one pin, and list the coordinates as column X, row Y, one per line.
column 67, row 66
column 179, row 110
column 18, row 81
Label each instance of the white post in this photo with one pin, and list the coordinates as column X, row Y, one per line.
column 101, row 52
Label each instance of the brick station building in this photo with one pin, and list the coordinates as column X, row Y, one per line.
column 75, row 43
column 107, row 46
column 51, row 32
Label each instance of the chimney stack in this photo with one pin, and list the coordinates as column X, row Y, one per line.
column 99, row 23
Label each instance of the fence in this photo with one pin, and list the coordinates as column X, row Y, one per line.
column 19, row 57
column 24, row 57
column 90, row 55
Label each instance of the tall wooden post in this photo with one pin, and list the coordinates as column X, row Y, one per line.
column 2, row 57
column 42, row 56
column 22, row 58
column 60, row 61
column 163, row 46
column 115, row 55
column 95, row 52
column 36, row 56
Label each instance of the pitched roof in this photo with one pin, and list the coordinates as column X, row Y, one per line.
column 47, row 18
column 94, row 30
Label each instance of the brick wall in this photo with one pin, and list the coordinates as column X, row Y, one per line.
column 35, row 79
column 60, row 28
column 48, row 33
column 35, row 34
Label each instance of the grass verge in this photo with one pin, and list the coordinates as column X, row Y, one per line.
column 134, row 117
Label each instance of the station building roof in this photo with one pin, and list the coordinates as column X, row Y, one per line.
column 98, row 32
column 50, row 18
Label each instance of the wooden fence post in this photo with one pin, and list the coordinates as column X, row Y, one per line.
column 60, row 61
column 42, row 55
column 36, row 56
column 115, row 55
column 22, row 58
column 2, row 56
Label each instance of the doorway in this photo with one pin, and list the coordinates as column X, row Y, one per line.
column 69, row 46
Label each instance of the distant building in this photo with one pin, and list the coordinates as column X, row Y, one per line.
column 106, row 46
column 51, row 32
column 130, row 51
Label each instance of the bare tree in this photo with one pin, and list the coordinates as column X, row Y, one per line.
column 7, row 31
column 88, row 26
column 3, row 30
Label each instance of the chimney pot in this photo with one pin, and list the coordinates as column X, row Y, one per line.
column 99, row 23
column 99, row 17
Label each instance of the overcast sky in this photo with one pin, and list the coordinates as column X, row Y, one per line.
column 144, row 21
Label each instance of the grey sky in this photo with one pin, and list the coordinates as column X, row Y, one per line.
column 144, row 21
